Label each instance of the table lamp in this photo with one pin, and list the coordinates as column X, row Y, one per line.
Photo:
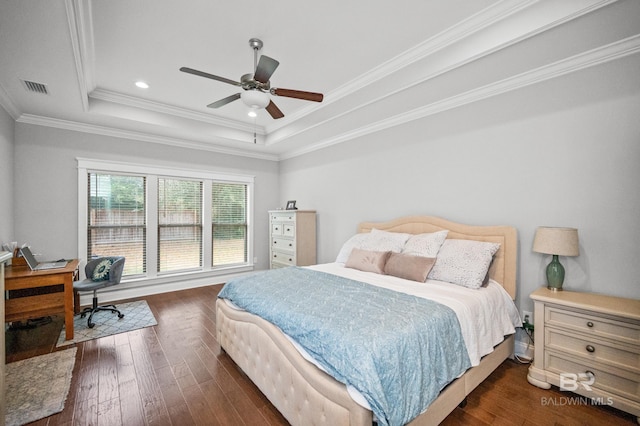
column 557, row 242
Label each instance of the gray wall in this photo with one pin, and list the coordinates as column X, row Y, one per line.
column 46, row 199
column 6, row 177
column 561, row 153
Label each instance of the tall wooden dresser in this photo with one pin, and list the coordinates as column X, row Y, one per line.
column 293, row 238
column 588, row 344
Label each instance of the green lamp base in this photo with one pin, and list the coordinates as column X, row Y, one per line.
column 555, row 274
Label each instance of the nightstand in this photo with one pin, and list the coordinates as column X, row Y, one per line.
column 588, row 344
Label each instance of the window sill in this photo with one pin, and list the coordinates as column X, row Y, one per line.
column 144, row 286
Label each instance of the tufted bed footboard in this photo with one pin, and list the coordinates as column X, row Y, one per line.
column 299, row 390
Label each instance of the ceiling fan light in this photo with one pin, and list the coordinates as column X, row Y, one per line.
column 252, row 113
column 255, row 98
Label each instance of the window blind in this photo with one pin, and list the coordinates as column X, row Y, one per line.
column 116, row 219
column 179, row 224
column 229, row 223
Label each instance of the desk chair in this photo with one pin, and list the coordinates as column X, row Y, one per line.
column 101, row 272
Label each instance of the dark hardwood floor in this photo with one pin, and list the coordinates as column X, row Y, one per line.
column 175, row 374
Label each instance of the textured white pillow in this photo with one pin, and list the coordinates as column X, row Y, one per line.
column 425, row 245
column 463, row 262
column 389, row 241
column 357, row 241
column 375, row 240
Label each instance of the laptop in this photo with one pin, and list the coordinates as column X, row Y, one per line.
column 35, row 266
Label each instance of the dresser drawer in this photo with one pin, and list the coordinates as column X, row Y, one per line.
column 288, row 259
column 283, row 228
column 283, row 217
column 608, row 379
column 593, row 324
column 283, row 244
column 593, row 349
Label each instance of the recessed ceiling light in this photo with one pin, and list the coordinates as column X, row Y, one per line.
column 142, row 84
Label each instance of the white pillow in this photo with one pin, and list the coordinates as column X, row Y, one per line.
column 389, row 241
column 463, row 262
column 375, row 240
column 425, row 245
column 357, row 241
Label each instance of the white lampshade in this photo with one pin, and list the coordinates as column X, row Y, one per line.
column 559, row 241
column 254, row 98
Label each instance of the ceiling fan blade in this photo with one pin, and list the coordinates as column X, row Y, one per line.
column 264, row 70
column 298, row 94
column 274, row 111
column 207, row 75
column 224, row 101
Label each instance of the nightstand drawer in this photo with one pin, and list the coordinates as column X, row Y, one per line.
column 617, row 382
column 593, row 324
column 618, row 355
column 288, row 259
column 283, row 244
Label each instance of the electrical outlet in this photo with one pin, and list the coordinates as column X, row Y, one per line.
column 527, row 320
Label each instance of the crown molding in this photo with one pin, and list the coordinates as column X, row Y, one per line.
column 143, row 136
column 478, row 22
column 136, row 102
column 482, row 20
column 76, row 25
column 7, row 103
column 581, row 61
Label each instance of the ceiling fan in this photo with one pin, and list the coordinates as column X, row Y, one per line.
column 257, row 85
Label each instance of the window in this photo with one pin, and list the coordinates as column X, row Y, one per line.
column 179, row 224
column 116, row 219
column 165, row 221
column 229, row 223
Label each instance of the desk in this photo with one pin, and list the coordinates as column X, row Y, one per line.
column 40, row 305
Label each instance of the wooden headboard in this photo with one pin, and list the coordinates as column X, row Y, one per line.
column 503, row 267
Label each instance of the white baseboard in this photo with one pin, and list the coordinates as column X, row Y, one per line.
column 140, row 289
column 524, row 350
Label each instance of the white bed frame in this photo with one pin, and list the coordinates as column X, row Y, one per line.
column 307, row 396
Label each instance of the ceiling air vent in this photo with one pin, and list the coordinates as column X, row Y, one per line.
column 32, row 86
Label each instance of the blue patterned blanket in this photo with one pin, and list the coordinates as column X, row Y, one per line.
column 398, row 350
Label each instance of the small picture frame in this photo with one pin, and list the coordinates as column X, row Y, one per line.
column 291, row 205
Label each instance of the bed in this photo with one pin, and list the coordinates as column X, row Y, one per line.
column 306, row 395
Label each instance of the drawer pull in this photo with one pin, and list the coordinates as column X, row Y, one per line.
column 275, row 242
column 290, row 260
column 591, row 349
column 290, row 245
column 589, row 324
